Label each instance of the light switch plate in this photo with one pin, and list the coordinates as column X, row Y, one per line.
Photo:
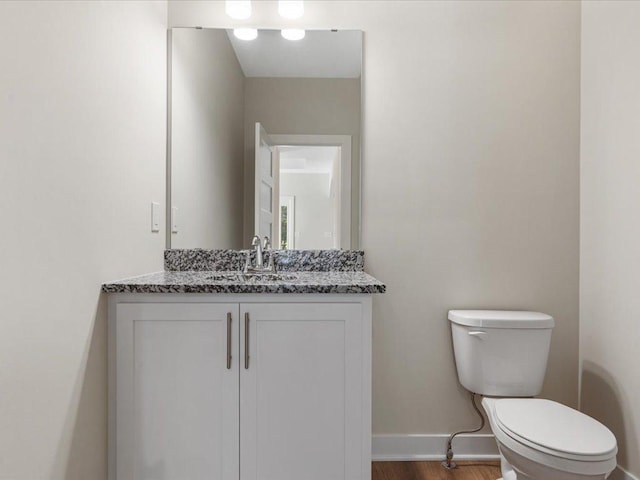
column 174, row 219
column 155, row 217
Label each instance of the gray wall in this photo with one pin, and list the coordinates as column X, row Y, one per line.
column 470, row 182
column 207, row 140
column 82, row 156
column 610, row 226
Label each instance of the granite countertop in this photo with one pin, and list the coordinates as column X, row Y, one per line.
column 230, row 282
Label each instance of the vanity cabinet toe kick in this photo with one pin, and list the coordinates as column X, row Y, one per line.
column 239, row 386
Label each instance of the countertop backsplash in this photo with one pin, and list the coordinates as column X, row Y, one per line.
column 194, row 260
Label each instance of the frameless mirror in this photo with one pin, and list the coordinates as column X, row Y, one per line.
column 264, row 139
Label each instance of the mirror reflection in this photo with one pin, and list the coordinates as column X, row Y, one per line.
column 264, row 139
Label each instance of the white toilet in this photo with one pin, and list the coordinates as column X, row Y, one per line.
column 502, row 355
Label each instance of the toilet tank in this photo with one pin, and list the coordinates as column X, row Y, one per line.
column 501, row 353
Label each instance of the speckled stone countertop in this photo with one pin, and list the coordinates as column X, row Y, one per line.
column 213, row 282
column 218, row 271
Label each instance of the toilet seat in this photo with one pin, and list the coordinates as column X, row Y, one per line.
column 508, row 437
column 555, row 429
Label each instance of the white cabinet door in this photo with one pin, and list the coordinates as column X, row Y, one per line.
column 302, row 402
column 177, row 393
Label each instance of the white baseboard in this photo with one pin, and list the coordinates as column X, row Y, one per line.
column 433, row 447
column 621, row 474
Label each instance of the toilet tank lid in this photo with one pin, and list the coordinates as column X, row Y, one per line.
column 501, row 319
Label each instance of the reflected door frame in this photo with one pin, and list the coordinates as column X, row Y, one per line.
column 344, row 142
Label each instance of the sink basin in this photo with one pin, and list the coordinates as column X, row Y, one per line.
column 252, row 277
column 269, row 277
column 224, row 277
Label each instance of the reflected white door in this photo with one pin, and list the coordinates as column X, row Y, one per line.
column 266, row 186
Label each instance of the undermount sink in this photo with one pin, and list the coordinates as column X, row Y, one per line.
column 252, row 277
column 224, row 277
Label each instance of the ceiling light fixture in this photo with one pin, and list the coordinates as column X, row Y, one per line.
column 291, row 8
column 245, row 33
column 293, row 33
column 238, row 9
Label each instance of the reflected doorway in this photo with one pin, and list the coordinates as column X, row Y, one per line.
column 309, row 189
column 303, row 190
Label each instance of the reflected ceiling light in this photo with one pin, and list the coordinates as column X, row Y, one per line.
column 293, row 33
column 238, row 9
column 245, row 33
column 291, row 8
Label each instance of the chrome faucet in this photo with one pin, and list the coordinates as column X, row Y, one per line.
column 260, row 247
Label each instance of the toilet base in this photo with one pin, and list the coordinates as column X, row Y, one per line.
column 529, row 470
column 515, row 466
column 506, row 469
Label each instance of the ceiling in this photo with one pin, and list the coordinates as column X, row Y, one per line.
column 320, row 54
column 307, row 159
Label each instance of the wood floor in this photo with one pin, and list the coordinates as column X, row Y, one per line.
column 434, row 471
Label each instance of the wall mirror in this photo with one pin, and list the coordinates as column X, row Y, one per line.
column 264, row 138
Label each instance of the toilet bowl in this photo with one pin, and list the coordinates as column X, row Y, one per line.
column 542, row 439
column 502, row 355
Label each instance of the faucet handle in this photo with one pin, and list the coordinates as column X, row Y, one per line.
column 273, row 264
column 267, row 243
column 247, row 262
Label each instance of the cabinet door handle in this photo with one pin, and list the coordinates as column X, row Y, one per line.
column 246, row 340
column 229, row 341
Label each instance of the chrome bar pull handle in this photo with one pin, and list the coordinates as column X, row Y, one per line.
column 229, row 320
column 246, row 340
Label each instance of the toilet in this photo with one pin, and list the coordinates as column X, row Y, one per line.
column 502, row 355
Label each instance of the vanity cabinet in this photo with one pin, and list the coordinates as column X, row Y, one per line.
column 243, row 387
